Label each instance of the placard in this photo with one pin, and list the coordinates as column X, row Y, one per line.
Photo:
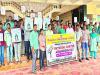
column 75, row 19
column 1, row 37
column 46, row 22
column 28, row 23
column 60, row 48
column 3, row 11
column 16, row 35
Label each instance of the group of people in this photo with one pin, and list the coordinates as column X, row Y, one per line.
column 34, row 43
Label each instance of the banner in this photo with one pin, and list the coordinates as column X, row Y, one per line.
column 60, row 48
column 16, row 35
column 28, row 23
column 1, row 37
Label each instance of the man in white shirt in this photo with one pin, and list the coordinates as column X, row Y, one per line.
column 49, row 31
column 78, row 41
column 69, row 29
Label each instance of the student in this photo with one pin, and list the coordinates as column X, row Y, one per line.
column 42, row 48
column 49, row 31
column 69, row 29
column 78, row 41
column 8, row 40
column 93, row 44
column 17, row 47
column 27, row 44
column 34, row 46
column 61, row 30
column 2, row 43
column 85, row 40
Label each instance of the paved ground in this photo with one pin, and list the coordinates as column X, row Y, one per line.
column 91, row 67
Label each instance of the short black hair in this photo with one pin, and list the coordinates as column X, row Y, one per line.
column 0, row 23
column 41, row 30
column 8, row 23
column 49, row 25
column 34, row 25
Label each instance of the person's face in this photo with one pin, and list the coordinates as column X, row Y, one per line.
column 0, row 26
column 42, row 32
column 77, row 28
column 93, row 30
column 61, row 26
column 49, row 27
column 10, row 18
column 84, row 27
column 69, row 25
column 8, row 26
column 35, row 28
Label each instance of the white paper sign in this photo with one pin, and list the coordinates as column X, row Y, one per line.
column 88, row 21
column 3, row 11
column 1, row 37
column 28, row 23
column 23, row 9
column 16, row 35
column 32, row 15
column 16, row 17
column 38, row 21
column 46, row 22
column 39, row 14
column 75, row 19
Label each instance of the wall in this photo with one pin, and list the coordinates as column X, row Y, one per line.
column 66, row 16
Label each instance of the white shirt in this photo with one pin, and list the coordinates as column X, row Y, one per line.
column 8, row 38
column 26, row 35
column 78, row 35
column 49, row 32
column 69, row 30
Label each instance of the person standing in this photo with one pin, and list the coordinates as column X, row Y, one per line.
column 85, row 40
column 8, row 40
column 28, row 51
column 49, row 31
column 78, row 41
column 17, row 46
column 42, row 47
column 69, row 29
column 34, row 46
column 2, row 44
column 93, row 44
column 61, row 30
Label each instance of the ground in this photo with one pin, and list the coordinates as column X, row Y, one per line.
column 91, row 67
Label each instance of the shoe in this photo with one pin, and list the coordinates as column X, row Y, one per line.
column 87, row 59
column 80, row 60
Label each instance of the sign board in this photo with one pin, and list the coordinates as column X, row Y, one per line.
column 16, row 35
column 28, row 23
column 60, row 48
column 1, row 37
column 75, row 19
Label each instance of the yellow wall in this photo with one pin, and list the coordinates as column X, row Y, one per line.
column 66, row 16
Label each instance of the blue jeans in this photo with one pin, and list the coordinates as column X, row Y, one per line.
column 28, row 51
column 42, row 56
column 85, row 49
column 1, row 55
column 34, row 56
column 10, row 53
